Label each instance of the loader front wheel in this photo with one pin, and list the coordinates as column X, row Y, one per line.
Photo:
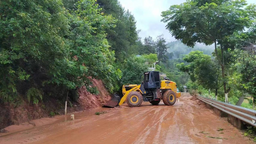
column 169, row 97
column 134, row 99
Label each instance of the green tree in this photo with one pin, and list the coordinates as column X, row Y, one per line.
column 70, row 4
column 150, row 58
column 32, row 45
column 161, row 47
column 133, row 69
column 201, row 70
column 89, row 48
column 135, row 66
column 122, row 38
column 209, row 22
column 243, row 61
column 49, row 51
column 245, row 71
column 149, row 46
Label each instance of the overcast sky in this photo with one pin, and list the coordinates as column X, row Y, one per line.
column 148, row 15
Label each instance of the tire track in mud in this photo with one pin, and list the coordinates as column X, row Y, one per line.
column 150, row 127
column 128, row 125
column 111, row 127
column 155, row 128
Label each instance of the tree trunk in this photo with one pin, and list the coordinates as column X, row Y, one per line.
column 223, row 71
column 216, row 53
column 223, row 75
column 253, row 102
column 216, row 93
column 66, row 107
column 226, row 97
column 240, row 101
column 215, row 48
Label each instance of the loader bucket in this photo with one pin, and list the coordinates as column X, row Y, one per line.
column 114, row 101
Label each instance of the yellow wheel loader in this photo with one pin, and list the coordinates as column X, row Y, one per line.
column 152, row 89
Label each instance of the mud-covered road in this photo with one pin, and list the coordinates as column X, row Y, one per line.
column 185, row 122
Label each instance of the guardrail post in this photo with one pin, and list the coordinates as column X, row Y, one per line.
column 219, row 113
column 236, row 122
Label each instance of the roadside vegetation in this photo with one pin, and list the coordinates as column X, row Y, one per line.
column 48, row 49
column 227, row 74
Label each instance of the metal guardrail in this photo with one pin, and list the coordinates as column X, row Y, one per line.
column 243, row 114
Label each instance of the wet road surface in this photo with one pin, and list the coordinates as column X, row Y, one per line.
column 184, row 123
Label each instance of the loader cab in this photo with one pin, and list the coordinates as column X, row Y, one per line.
column 151, row 80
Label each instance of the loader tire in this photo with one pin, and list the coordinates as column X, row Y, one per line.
column 169, row 98
column 155, row 102
column 134, row 99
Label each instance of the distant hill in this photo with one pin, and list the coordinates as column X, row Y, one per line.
column 178, row 49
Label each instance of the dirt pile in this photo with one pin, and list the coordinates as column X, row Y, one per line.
column 10, row 115
column 193, row 98
column 88, row 100
column 198, row 102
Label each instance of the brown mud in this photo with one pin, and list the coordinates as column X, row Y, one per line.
column 185, row 122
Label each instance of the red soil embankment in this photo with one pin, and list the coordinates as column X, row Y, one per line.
column 10, row 115
column 88, row 100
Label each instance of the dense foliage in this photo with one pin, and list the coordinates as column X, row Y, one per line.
column 227, row 24
column 176, row 51
column 48, row 49
column 32, row 46
column 201, row 69
column 122, row 38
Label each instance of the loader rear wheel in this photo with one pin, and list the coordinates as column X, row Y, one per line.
column 169, row 97
column 134, row 99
